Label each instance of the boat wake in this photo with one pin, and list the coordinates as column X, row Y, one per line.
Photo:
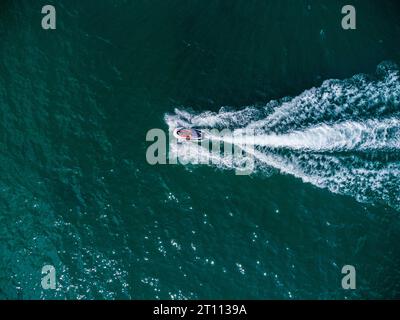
column 343, row 136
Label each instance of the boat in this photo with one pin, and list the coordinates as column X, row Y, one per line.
column 188, row 134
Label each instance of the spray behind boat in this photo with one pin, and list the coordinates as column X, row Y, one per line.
column 342, row 136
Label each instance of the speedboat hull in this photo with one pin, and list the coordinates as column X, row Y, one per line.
column 188, row 134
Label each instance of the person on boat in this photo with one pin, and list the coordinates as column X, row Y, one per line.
column 187, row 134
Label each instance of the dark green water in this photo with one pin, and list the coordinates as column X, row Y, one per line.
column 76, row 191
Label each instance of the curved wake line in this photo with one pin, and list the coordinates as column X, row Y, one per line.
column 376, row 184
column 381, row 135
column 316, row 136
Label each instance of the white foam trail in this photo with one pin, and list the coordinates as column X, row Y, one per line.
column 348, row 135
column 379, row 183
column 343, row 136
